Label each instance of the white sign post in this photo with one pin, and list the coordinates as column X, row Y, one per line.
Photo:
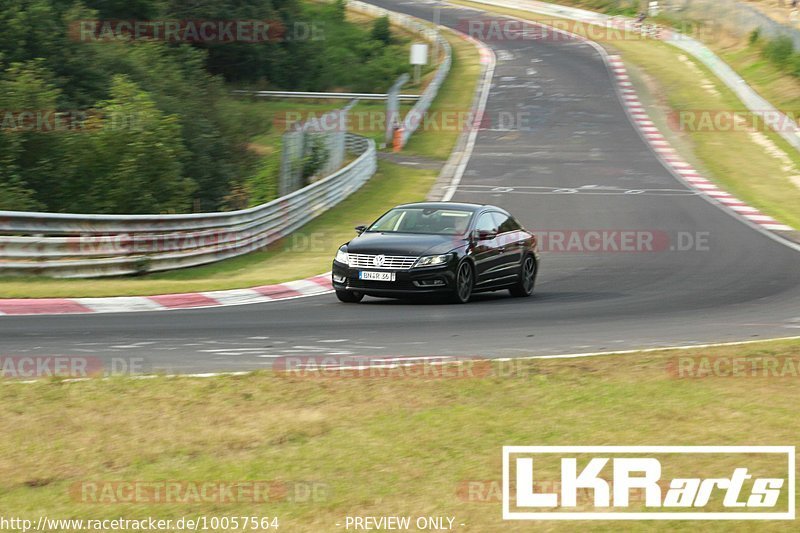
column 419, row 57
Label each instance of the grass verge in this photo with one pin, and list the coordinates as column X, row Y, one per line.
column 756, row 166
column 375, row 446
column 450, row 112
column 309, row 251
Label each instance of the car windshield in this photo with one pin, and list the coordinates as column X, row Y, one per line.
column 435, row 221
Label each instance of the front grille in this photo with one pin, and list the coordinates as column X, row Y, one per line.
column 390, row 262
column 386, row 285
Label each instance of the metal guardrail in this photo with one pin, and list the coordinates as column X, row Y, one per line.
column 300, row 140
column 754, row 103
column 324, row 96
column 417, row 113
column 70, row 245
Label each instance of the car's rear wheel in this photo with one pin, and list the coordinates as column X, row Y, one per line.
column 350, row 297
column 465, row 281
column 527, row 278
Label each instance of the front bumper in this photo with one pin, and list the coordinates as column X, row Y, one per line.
column 407, row 282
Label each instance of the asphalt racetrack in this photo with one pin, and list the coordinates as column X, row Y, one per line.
column 578, row 165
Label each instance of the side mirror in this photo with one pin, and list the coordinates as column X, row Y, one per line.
column 361, row 229
column 485, row 235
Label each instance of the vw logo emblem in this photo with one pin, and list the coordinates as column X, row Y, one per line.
column 379, row 260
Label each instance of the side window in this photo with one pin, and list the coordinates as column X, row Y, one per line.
column 486, row 223
column 505, row 223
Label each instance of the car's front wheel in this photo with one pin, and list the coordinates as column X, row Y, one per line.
column 527, row 278
column 350, row 297
column 465, row 281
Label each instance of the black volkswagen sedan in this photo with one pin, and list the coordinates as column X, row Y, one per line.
column 444, row 248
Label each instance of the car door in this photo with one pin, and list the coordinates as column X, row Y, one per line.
column 510, row 245
column 485, row 251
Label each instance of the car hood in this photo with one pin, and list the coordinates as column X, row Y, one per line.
column 404, row 244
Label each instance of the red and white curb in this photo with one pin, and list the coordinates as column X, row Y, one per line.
column 165, row 302
column 674, row 161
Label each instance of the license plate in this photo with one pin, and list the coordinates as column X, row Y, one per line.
column 376, row 276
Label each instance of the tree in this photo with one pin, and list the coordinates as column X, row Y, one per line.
column 28, row 157
column 382, row 31
column 340, row 9
column 137, row 154
column 315, row 158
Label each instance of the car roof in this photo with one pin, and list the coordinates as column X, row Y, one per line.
column 452, row 205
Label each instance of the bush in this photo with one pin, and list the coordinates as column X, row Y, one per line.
column 340, row 9
column 382, row 31
column 315, row 159
column 779, row 51
column 755, row 35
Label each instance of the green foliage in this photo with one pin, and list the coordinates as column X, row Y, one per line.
column 25, row 155
column 755, row 35
column 382, row 30
column 315, row 158
column 159, row 134
column 611, row 7
column 340, row 9
column 139, row 152
column 262, row 186
column 779, row 51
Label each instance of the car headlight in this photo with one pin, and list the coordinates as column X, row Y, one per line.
column 342, row 257
column 432, row 260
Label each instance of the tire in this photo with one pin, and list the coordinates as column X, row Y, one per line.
column 350, row 297
column 527, row 278
column 465, row 282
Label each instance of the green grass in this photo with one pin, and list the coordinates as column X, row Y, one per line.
column 454, row 103
column 775, row 85
column 375, row 446
column 733, row 159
